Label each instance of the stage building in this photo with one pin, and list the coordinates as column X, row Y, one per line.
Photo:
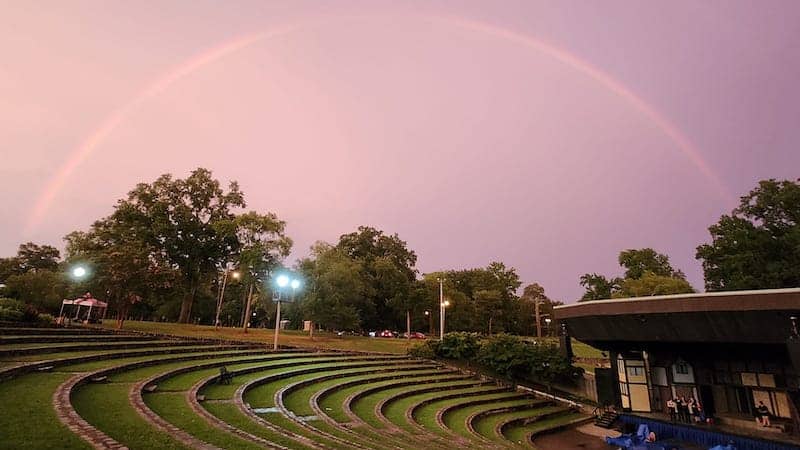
column 729, row 350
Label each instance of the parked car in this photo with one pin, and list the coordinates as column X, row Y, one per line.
column 387, row 334
column 372, row 334
column 415, row 335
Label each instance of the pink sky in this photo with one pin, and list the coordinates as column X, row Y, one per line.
column 547, row 135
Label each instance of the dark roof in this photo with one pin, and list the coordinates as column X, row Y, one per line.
column 746, row 317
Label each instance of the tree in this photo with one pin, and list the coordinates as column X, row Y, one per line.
column 639, row 261
column 756, row 246
column 533, row 294
column 30, row 257
column 335, row 291
column 42, row 289
column 180, row 219
column 126, row 269
column 259, row 244
column 651, row 284
column 598, row 287
column 387, row 270
column 647, row 273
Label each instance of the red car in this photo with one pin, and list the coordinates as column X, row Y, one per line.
column 414, row 335
column 386, row 333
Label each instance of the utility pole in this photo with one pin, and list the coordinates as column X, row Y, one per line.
column 538, row 302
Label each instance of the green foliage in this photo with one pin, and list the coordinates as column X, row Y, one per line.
column 598, row 287
column 757, row 246
column 45, row 319
column 16, row 311
column 638, row 262
column 427, row 349
column 42, row 289
column 647, row 273
column 10, row 315
column 503, row 354
column 651, row 284
column 459, row 345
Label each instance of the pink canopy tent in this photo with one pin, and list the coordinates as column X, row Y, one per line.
column 85, row 300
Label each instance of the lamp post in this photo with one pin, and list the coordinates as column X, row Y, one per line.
column 431, row 331
column 547, row 321
column 442, row 305
column 78, row 273
column 221, row 298
column 282, row 281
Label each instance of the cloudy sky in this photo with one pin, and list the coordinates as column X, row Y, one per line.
column 547, row 135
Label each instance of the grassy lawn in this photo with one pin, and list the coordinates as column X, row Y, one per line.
column 292, row 338
column 28, row 420
column 486, row 425
column 517, row 434
column 106, row 407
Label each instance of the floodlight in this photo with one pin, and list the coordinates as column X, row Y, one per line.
column 295, row 283
column 282, row 280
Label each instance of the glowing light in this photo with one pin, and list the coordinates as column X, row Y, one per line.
column 282, row 280
column 79, row 272
column 446, row 303
column 236, row 275
column 295, row 283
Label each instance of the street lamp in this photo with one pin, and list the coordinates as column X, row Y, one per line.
column 547, row 321
column 442, row 304
column 221, row 297
column 79, row 273
column 282, row 281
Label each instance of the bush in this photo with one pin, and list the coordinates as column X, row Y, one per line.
column 507, row 355
column 17, row 311
column 45, row 319
column 10, row 303
column 459, row 345
column 428, row 349
column 10, row 315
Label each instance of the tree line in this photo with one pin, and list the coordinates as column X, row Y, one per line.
column 161, row 253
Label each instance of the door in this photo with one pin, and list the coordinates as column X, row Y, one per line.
column 707, row 400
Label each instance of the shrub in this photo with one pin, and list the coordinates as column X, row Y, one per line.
column 11, row 315
column 46, row 319
column 428, row 349
column 10, row 303
column 459, row 345
column 507, row 355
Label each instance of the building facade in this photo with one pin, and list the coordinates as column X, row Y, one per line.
column 729, row 351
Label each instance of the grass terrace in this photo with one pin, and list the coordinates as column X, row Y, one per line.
column 82, row 388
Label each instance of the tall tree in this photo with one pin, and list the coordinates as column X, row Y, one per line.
column 30, row 257
column 651, row 284
column 335, row 291
column 534, row 294
column 598, row 287
column 637, row 262
column 180, row 217
column 757, row 246
column 388, row 271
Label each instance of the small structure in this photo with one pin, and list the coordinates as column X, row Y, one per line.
column 95, row 310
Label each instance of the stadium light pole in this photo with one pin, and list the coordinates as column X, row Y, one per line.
column 282, row 281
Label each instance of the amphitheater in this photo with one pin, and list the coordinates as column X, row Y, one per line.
column 83, row 388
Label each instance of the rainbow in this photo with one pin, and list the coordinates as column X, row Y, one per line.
column 90, row 144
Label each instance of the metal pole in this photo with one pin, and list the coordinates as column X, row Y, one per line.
column 277, row 325
column 221, row 296
column 538, row 319
column 441, row 309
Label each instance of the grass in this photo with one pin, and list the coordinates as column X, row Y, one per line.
column 517, row 433
column 485, row 426
column 290, row 338
column 173, row 408
column 106, row 407
column 395, row 409
column 229, row 413
column 456, row 419
column 426, row 415
column 30, row 422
